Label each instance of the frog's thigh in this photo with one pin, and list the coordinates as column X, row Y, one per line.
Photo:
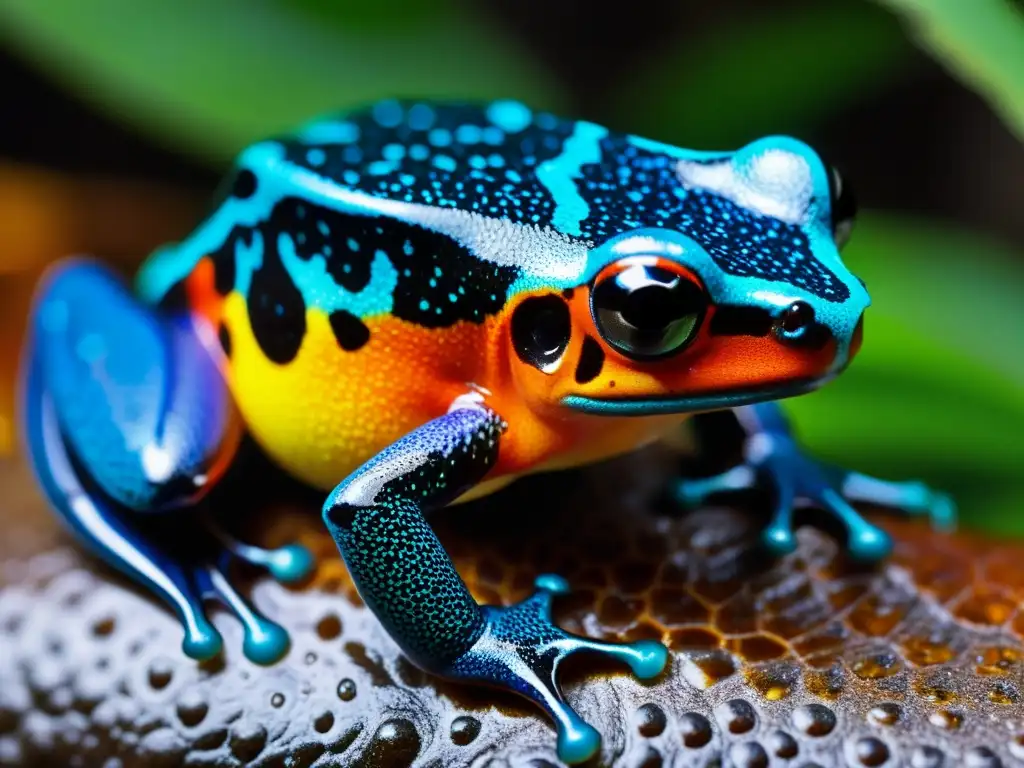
column 124, row 412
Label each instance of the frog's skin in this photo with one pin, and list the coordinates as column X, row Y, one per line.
column 416, row 303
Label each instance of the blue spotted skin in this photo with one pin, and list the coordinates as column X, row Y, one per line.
column 435, row 214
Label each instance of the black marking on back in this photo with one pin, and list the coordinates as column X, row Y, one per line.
column 349, row 330
column 451, row 155
column 591, row 361
column 245, row 184
column 276, row 309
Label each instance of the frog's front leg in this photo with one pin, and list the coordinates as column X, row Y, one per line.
column 125, row 415
column 406, row 578
column 773, row 458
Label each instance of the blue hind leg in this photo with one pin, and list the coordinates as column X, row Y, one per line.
column 125, row 414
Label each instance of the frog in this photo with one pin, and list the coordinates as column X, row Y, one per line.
column 410, row 304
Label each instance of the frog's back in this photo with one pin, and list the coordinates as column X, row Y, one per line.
column 359, row 271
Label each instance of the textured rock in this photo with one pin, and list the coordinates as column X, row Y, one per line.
column 802, row 661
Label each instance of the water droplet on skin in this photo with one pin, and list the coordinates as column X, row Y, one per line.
column 871, row 752
column 464, row 730
column 650, row 720
column 346, row 690
column 884, row 714
column 310, row 658
column 736, row 716
column 277, row 700
column 695, row 730
column 814, row 719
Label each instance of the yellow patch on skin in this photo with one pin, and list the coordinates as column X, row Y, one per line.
column 329, row 410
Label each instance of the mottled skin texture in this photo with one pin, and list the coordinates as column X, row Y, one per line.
column 924, row 653
column 416, row 304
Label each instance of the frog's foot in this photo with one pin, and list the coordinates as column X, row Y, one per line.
column 127, row 421
column 773, row 459
column 521, row 649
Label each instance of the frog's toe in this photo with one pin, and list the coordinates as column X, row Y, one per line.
column 522, row 649
column 288, row 564
column 264, row 642
column 910, row 497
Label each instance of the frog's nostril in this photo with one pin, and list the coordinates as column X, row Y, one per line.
column 794, row 320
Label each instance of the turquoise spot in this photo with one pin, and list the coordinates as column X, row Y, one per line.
column 351, row 177
column 353, row 245
column 493, row 136
column 468, row 134
column 421, row 117
column 316, row 157
column 407, row 248
column 419, row 152
column 393, row 152
column 424, row 305
column 444, row 163
column 329, row 133
column 478, row 162
column 509, row 115
column 388, row 113
column 440, row 137
column 380, row 168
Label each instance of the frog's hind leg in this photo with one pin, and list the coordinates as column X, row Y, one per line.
column 125, row 414
column 405, row 577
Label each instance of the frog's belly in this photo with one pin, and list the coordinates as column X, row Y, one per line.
column 329, row 410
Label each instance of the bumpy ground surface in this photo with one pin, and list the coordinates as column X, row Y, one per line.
column 805, row 661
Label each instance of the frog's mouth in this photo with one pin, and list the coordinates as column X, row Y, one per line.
column 687, row 404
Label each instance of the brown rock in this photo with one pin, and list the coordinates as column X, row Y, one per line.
column 805, row 659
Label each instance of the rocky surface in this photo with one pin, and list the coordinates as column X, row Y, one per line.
column 799, row 662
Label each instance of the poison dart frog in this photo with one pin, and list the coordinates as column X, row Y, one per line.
column 412, row 304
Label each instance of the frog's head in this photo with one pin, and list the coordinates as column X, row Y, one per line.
column 743, row 298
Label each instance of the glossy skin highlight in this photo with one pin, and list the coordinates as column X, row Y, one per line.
column 417, row 303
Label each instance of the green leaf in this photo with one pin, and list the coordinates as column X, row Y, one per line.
column 979, row 41
column 937, row 391
column 777, row 71
column 210, row 77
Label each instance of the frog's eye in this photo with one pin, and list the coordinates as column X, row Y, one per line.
column 647, row 308
column 844, row 208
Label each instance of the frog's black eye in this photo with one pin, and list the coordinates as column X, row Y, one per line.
column 645, row 310
column 844, row 208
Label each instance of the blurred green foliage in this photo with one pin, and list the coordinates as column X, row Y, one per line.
column 938, row 390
